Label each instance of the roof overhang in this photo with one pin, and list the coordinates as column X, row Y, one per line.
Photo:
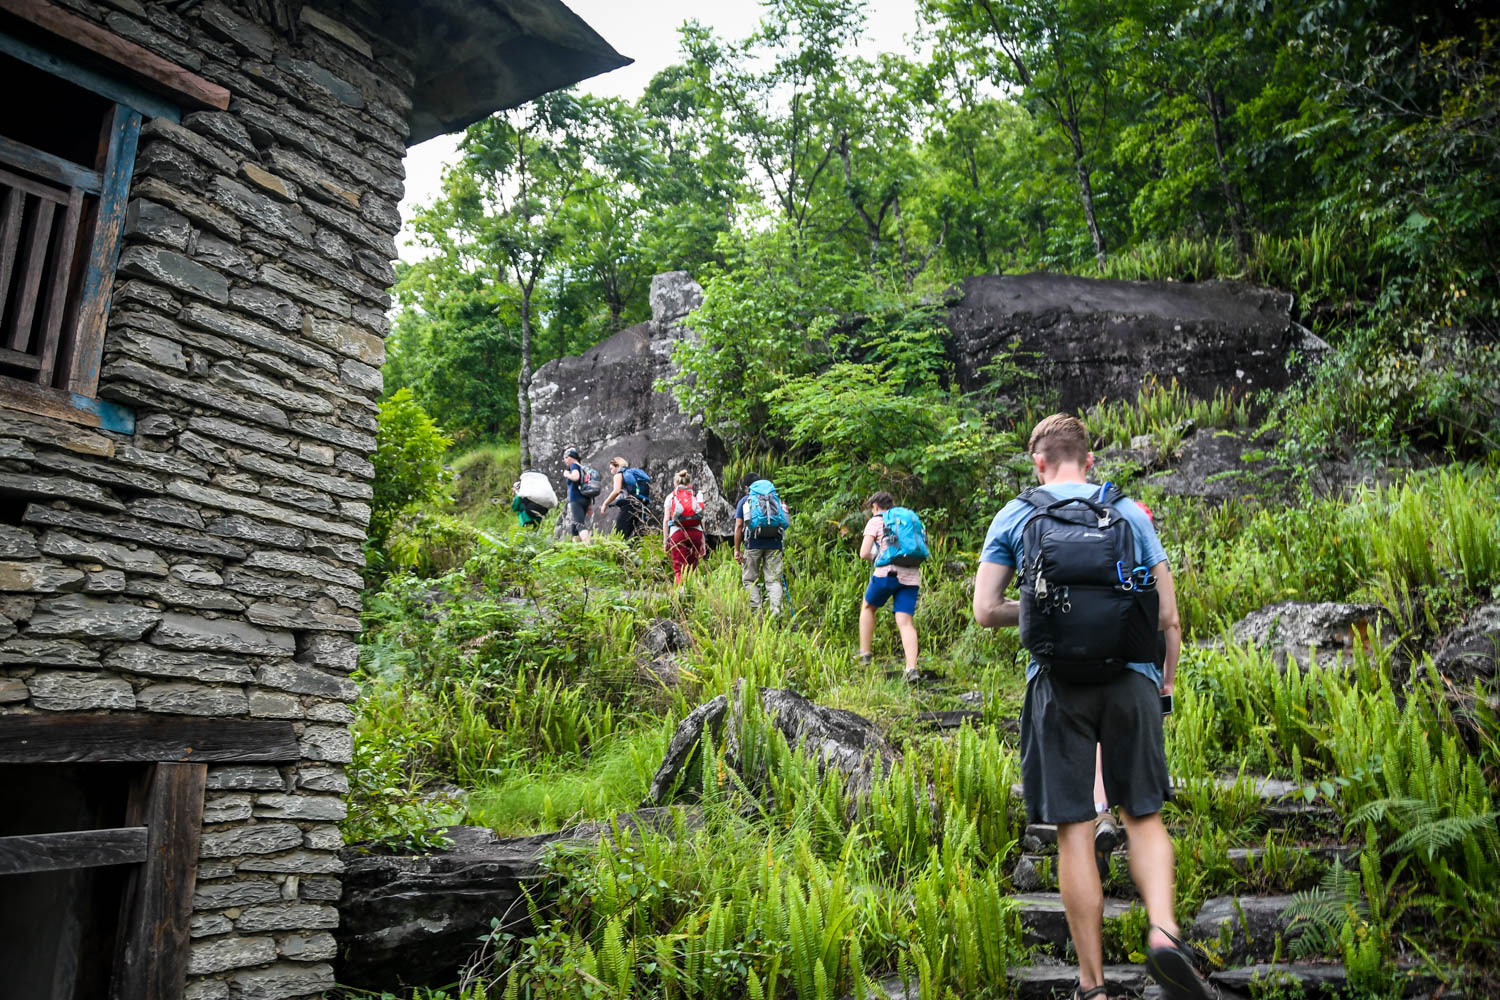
column 475, row 57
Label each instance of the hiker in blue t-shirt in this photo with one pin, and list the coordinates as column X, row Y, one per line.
column 578, row 504
column 1063, row 721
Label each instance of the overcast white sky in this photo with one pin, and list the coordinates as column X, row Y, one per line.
column 646, row 31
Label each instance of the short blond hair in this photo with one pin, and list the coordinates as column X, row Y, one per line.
column 621, row 461
column 1060, row 438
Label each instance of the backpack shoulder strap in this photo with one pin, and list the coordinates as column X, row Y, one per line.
column 1038, row 498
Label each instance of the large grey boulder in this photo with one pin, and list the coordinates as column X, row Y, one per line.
column 1091, row 339
column 605, row 402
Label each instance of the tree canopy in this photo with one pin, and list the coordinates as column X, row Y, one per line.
column 1345, row 152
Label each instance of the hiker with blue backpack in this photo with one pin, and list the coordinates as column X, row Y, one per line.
column 1095, row 589
column 895, row 540
column 632, row 494
column 760, row 522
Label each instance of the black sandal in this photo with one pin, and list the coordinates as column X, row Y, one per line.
column 1079, row 993
column 1176, row 970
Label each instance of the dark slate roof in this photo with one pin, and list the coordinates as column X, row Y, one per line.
column 475, row 57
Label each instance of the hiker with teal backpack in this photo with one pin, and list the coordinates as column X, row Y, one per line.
column 760, row 522
column 895, row 540
column 632, row 494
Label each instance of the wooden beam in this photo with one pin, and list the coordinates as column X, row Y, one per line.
column 49, row 852
column 62, row 739
column 153, row 957
column 12, row 205
column 28, row 397
column 31, row 187
column 99, row 275
column 17, row 359
column 104, row 83
column 54, row 168
column 124, row 56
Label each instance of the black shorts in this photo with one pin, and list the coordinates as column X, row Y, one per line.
column 578, row 514
column 1061, row 723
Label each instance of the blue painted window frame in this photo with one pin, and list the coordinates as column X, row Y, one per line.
column 76, row 388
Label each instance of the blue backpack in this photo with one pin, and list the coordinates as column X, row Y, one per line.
column 637, row 483
column 766, row 518
column 905, row 539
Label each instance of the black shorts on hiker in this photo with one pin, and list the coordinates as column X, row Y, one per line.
column 1061, row 723
column 578, row 514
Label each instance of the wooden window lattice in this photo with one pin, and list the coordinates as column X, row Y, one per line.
column 60, row 227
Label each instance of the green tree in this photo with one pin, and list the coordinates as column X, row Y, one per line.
column 775, row 91
column 1063, row 55
column 505, row 203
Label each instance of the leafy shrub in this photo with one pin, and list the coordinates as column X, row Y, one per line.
column 408, row 461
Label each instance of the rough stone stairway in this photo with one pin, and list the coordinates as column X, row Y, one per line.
column 1242, row 932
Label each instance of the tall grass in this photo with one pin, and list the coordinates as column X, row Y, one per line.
column 515, row 675
column 1165, row 413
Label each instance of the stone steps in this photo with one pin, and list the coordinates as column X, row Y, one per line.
column 1046, row 925
column 1038, row 871
column 1317, row 981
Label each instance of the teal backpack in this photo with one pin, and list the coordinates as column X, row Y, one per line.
column 766, row 517
column 905, row 539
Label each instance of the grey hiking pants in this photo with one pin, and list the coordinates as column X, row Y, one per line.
column 767, row 564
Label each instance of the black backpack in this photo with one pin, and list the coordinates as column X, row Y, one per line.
column 1086, row 611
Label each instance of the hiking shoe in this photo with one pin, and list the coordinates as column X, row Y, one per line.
column 1106, row 839
column 865, row 659
column 1175, row 969
column 911, row 675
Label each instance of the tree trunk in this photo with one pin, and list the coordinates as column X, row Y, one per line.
column 1234, row 204
column 523, row 384
column 1086, row 191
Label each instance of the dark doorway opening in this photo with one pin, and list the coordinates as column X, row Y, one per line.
column 59, row 929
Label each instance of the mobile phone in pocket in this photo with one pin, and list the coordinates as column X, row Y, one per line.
column 1166, row 704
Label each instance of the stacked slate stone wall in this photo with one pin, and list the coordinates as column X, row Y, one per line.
column 207, row 565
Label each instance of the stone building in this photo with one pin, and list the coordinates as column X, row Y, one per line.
column 198, row 206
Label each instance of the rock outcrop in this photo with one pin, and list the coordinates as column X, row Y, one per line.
column 417, row 920
column 1314, row 633
column 1090, row 339
column 605, row 402
column 1222, row 465
column 1086, row 338
column 1471, row 652
column 837, row 737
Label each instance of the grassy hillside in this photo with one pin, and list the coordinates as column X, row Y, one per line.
column 503, row 687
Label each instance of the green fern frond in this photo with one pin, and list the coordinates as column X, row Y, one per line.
column 1437, row 835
